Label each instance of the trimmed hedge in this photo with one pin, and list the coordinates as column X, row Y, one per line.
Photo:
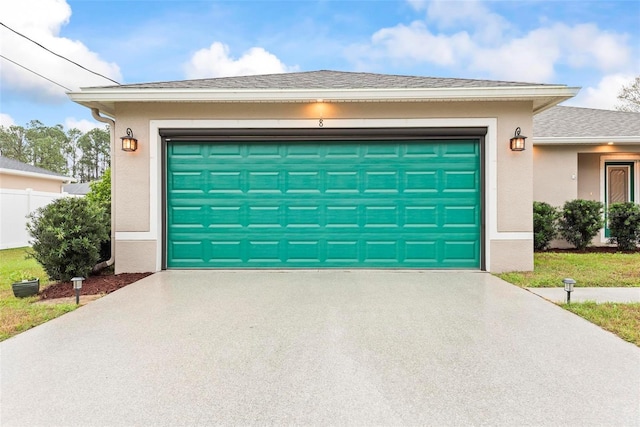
column 545, row 229
column 624, row 225
column 580, row 221
column 67, row 235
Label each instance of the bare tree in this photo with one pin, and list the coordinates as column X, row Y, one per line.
column 629, row 97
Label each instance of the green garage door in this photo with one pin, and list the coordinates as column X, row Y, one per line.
column 403, row 204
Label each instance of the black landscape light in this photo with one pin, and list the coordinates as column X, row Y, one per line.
column 568, row 287
column 77, row 285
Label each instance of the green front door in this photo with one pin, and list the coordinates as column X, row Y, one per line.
column 378, row 204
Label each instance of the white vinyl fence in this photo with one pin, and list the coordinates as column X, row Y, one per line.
column 15, row 205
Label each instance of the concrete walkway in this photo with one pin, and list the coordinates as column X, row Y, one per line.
column 598, row 295
column 319, row 348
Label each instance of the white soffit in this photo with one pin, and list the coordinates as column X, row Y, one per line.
column 596, row 140
column 543, row 97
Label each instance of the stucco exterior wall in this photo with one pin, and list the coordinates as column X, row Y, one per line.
column 17, row 182
column 135, row 256
column 511, row 255
column 589, row 176
column 555, row 167
column 556, row 174
column 132, row 170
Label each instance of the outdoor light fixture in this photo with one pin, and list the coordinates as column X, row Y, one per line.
column 77, row 285
column 517, row 142
column 129, row 143
column 568, row 287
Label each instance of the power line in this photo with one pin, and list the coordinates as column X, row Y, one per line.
column 58, row 55
column 28, row 69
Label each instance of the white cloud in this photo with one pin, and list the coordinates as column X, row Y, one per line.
column 417, row 43
column 473, row 15
column 485, row 46
column 216, row 61
column 41, row 21
column 83, row 125
column 604, row 95
column 6, row 120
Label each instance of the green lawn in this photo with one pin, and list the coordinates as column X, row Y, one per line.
column 593, row 270
column 587, row 269
column 20, row 314
column 621, row 319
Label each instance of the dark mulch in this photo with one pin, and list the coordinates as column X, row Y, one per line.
column 93, row 285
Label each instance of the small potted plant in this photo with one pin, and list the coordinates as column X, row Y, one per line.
column 24, row 284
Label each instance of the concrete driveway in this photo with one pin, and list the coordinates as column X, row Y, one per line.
column 319, row 348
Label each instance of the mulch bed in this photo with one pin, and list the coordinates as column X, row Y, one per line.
column 93, row 285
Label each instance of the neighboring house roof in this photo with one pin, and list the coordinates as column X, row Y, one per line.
column 328, row 86
column 79, row 189
column 15, row 167
column 575, row 125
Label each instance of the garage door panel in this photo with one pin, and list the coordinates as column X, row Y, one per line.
column 381, row 181
column 303, row 182
column 265, row 216
column 408, row 204
column 420, row 251
column 304, row 151
column 456, row 216
column 187, row 216
column 303, row 251
column 420, row 216
column 381, row 216
column 264, row 250
column 228, row 251
column 420, row 182
column 225, row 182
column 226, row 217
column 187, row 182
column 460, row 181
column 342, row 182
column 221, row 151
column 190, row 151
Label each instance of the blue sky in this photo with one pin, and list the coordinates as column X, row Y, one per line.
column 591, row 44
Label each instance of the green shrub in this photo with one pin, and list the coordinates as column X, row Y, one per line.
column 580, row 221
column 100, row 194
column 66, row 237
column 624, row 225
column 545, row 230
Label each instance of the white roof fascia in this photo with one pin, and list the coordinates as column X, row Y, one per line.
column 65, row 179
column 107, row 95
column 586, row 140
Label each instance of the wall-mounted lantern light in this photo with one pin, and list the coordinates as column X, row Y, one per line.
column 517, row 142
column 77, row 285
column 568, row 287
column 129, row 143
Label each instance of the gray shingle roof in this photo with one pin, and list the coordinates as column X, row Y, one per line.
column 325, row 79
column 7, row 163
column 576, row 122
column 78, row 189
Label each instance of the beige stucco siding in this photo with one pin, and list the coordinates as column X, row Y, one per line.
column 132, row 170
column 136, row 256
column 511, row 255
column 556, row 174
column 589, row 176
column 16, row 182
column 556, row 166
